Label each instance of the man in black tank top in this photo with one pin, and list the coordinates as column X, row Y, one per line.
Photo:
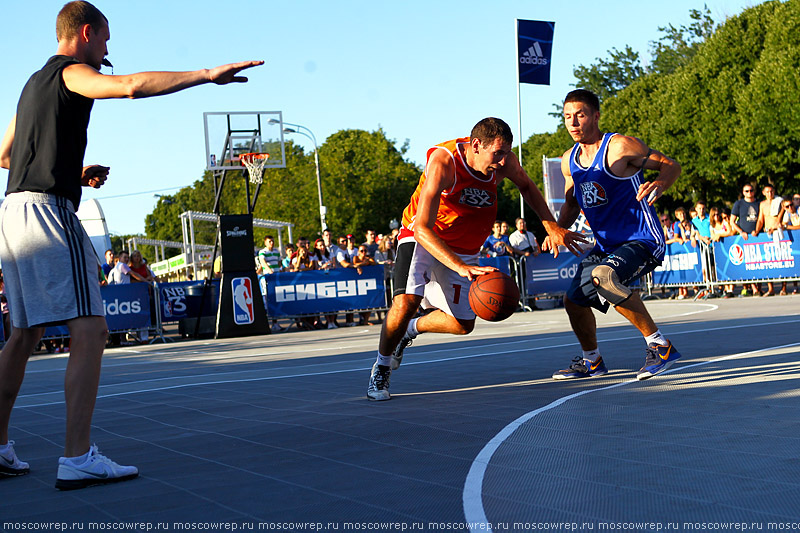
column 43, row 149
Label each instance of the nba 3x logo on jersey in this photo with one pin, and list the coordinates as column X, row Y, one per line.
column 475, row 197
column 593, row 194
column 242, row 301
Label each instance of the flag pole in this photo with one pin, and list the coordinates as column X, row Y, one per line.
column 519, row 112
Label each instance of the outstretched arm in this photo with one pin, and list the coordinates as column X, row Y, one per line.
column 557, row 235
column 83, row 79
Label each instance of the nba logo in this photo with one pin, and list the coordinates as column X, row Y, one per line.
column 736, row 255
column 242, row 301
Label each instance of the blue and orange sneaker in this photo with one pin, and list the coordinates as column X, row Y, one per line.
column 582, row 368
column 659, row 358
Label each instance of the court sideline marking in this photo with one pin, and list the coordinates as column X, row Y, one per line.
column 474, row 512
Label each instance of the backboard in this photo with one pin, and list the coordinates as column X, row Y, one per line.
column 229, row 134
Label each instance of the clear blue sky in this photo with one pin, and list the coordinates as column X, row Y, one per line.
column 423, row 71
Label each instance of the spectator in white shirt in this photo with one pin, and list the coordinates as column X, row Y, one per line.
column 523, row 241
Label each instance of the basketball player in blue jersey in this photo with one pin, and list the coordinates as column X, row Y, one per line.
column 604, row 175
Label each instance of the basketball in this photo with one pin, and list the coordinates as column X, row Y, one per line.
column 494, row 296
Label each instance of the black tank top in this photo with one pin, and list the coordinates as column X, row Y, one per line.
column 50, row 136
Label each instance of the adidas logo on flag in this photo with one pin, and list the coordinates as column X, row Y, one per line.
column 533, row 55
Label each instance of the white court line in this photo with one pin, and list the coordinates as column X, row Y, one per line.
column 504, row 344
column 190, row 354
column 474, row 513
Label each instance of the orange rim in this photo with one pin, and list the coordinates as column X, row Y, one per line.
column 253, row 156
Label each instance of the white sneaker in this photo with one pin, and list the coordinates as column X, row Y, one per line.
column 378, row 388
column 10, row 465
column 276, row 328
column 350, row 325
column 332, row 325
column 97, row 470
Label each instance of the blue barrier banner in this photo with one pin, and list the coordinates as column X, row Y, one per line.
column 682, row 266
column 182, row 299
column 126, row 306
column 761, row 257
column 324, row 291
column 548, row 275
column 501, row 263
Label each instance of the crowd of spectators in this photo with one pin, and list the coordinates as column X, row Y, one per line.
column 520, row 243
column 748, row 217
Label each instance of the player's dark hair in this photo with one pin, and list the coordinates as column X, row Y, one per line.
column 583, row 96
column 489, row 129
column 74, row 15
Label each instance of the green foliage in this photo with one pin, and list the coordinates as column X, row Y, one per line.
column 368, row 183
column 678, row 46
column 609, row 76
column 767, row 142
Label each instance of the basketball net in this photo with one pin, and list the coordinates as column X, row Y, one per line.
column 254, row 163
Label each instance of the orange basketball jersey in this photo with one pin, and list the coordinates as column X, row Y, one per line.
column 467, row 210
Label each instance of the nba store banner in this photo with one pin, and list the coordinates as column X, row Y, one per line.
column 324, row 291
column 762, row 257
column 681, row 266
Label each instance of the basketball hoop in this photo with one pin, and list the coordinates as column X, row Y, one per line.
column 255, row 165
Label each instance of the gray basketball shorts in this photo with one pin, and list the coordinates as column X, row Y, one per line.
column 630, row 261
column 49, row 264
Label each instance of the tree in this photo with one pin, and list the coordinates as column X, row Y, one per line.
column 609, row 76
column 767, row 142
column 368, row 182
column 677, row 46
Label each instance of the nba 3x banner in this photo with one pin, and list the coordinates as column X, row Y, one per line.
column 534, row 49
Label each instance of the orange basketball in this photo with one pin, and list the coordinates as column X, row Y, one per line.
column 494, row 296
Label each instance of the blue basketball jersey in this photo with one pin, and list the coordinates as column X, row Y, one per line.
column 610, row 206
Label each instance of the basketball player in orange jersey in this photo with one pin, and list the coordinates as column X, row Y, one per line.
column 450, row 215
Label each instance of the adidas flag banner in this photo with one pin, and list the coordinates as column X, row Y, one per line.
column 534, row 47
